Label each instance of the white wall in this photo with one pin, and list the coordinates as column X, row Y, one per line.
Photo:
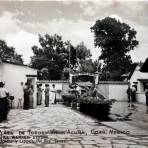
column 118, row 92
column 103, row 88
column 59, row 85
column 113, row 90
column 13, row 75
column 141, row 97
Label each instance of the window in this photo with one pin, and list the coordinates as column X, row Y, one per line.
column 145, row 85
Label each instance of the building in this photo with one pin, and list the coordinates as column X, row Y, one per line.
column 15, row 76
column 139, row 78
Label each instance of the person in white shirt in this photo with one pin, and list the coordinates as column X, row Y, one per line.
column 53, row 95
column 4, row 104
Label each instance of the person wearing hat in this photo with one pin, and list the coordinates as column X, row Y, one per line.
column 53, row 94
column 47, row 95
column 4, row 104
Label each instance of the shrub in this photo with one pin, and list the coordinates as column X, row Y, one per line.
column 68, row 98
column 95, row 107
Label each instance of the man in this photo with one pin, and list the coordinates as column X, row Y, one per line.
column 146, row 94
column 53, row 94
column 133, row 95
column 129, row 95
column 4, row 104
column 47, row 95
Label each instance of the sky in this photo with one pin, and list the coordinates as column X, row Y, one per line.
column 22, row 21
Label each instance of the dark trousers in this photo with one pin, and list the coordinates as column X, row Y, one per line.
column 4, row 108
column 46, row 100
column 133, row 97
column 146, row 100
column 129, row 98
column 26, row 101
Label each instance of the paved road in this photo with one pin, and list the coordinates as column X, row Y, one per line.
column 137, row 115
column 60, row 127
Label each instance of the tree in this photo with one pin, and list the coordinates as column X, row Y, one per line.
column 116, row 40
column 7, row 53
column 88, row 66
column 53, row 55
column 82, row 52
column 81, row 59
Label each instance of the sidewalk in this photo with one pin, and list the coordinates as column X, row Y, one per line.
column 135, row 120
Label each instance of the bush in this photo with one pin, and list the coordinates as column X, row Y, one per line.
column 68, row 98
column 95, row 107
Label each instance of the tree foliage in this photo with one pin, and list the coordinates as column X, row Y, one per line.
column 116, row 40
column 54, row 57
column 82, row 52
column 7, row 53
column 83, row 61
column 52, row 54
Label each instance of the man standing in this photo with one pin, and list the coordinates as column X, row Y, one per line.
column 53, row 94
column 146, row 95
column 31, row 92
column 133, row 95
column 129, row 95
column 4, row 104
column 26, row 96
column 47, row 95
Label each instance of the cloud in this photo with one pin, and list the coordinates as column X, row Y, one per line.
column 75, row 31
column 15, row 36
column 21, row 23
column 8, row 24
column 141, row 52
column 22, row 41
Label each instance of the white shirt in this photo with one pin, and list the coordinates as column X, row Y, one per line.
column 3, row 92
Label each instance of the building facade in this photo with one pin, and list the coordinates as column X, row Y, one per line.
column 140, row 80
column 15, row 76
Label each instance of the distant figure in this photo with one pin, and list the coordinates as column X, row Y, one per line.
column 133, row 95
column 31, row 92
column 53, row 94
column 146, row 95
column 47, row 95
column 39, row 94
column 129, row 95
column 26, row 97
column 4, row 105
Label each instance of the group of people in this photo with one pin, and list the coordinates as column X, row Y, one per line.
column 50, row 94
column 131, row 95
